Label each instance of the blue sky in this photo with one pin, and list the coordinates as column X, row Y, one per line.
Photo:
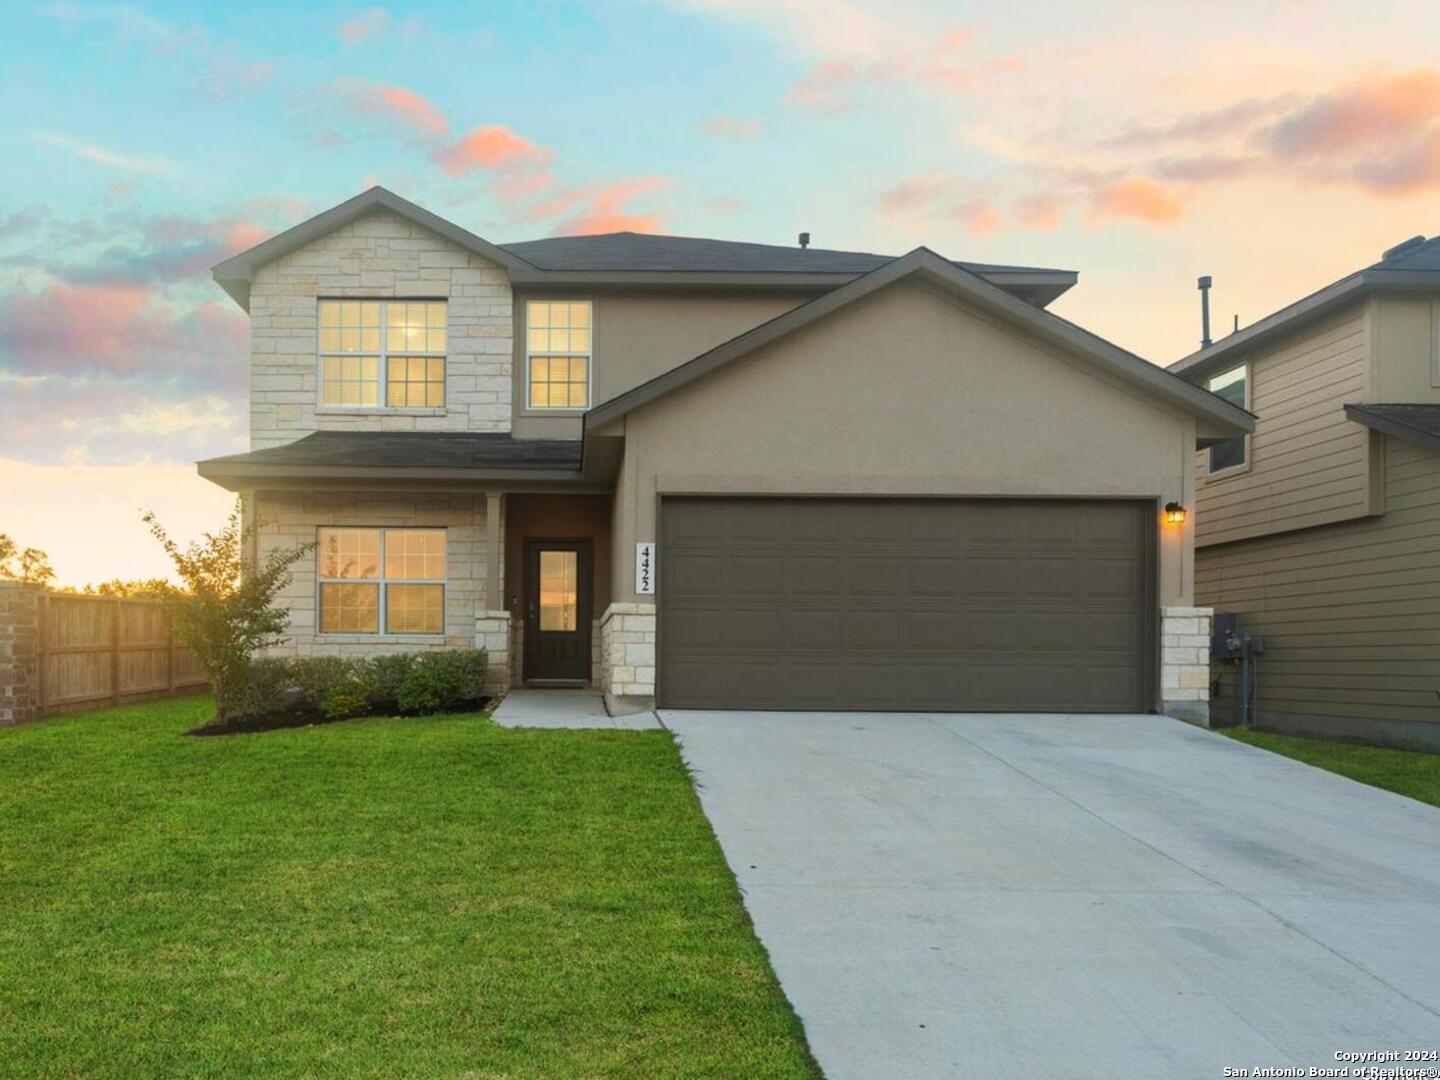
column 1276, row 148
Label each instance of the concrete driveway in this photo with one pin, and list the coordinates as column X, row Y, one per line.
column 1053, row 896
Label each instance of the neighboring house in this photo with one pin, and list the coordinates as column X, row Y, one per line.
column 1322, row 528
column 719, row 474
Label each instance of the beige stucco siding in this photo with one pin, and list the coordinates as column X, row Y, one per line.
column 639, row 336
column 1350, row 614
column 1307, row 465
column 381, row 255
column 905, row 392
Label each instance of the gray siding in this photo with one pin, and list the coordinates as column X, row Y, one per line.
column 1308, row 465
column 1350, row 613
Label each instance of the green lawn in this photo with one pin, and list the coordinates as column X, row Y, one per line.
column 402, row 897
column 1404, row 771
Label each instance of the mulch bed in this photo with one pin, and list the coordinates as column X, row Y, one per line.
column 248, row 725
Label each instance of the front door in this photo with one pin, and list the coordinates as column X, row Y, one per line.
column 557, row 609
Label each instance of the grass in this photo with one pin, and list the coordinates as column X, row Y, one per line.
column 430, row 897
column 1405, row 772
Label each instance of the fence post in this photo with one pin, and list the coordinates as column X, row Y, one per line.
column 42, row 652
column 115, row 651
column 170, row 649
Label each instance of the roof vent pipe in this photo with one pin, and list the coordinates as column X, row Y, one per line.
column 1204, row 284
column 804, row 239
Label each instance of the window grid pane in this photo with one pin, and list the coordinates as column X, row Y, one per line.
column 558, row 344
column 414, row 609
column 415, row 554
column 366, row 576
column 349, row 609
column 381, row 328
column 349, row 553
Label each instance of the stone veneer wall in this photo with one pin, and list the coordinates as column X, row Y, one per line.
column 627, row 656
column 288, row 519
column 492, row 633
column 1185, row 663
column 19, row 653
column 379, row 256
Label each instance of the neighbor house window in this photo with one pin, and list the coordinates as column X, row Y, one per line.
column 1230, row 453
column 371, row 578
column 557, row 348
column 390, row 351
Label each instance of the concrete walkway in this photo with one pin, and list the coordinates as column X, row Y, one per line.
column 988, row 896
column 565, row 709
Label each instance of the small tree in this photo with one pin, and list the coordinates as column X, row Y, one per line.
column 32, row 566
column 225, row 614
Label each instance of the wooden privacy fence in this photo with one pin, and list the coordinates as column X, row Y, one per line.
column 101, row 650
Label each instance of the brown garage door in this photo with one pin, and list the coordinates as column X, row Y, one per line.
column 913, row 604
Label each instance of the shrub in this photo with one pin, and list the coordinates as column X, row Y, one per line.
column 346, row 699
column 266, row 688
column 226, row 613
column 442, row 680
column 383, row 677
column 319, row 677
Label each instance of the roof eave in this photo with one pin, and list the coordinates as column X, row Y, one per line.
column 1223, row 417
column 1389, row 426
column 234, row 474
column 1302, row 312
column 235, row 273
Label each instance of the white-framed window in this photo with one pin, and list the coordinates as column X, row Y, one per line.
column 559, row 337
column 369, row 578
column 382, row 353
column 1232, row 385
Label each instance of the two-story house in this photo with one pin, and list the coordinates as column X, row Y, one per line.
column 719, row 474
column 1321, row 529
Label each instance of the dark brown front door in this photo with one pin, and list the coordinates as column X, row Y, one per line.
column 1004, row 605
column 557, row 609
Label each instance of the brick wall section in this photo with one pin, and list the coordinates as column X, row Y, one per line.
column 1185, row 663
column 287, row 519
column 19, row 653
column 379, row 256
column 627, row 656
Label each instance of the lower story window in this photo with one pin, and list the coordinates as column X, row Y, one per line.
column 372, row 578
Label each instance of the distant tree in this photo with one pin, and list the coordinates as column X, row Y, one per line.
column 32, row 566
column 226, row 611
column 137, row 589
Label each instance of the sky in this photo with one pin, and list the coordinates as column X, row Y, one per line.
column 1274, row 146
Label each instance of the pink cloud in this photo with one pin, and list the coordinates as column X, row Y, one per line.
column 839, row 83
column 399, row 107
column 979, row 216
column 730, row 127
column 119, row 330
column 493, row 148
column 601, row 208
column 1136, row 198
column 367, row 24
column 916, row 195
column 1359, row 116
column 1042, row 211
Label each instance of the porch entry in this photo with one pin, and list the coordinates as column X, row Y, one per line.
column 559, row 586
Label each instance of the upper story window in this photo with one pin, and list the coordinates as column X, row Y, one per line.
column 1232, row 386
column 390, row 350
column 557, row 354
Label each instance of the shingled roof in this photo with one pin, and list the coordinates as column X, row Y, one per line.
column 1411, row 266
column 1419, row 424
column 401, row 454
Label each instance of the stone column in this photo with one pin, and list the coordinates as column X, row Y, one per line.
column 492, row 633
column 1185, row 663
column 19, row 653
column 627, row 658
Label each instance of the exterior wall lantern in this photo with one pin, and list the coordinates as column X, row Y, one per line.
column 1174, row 513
